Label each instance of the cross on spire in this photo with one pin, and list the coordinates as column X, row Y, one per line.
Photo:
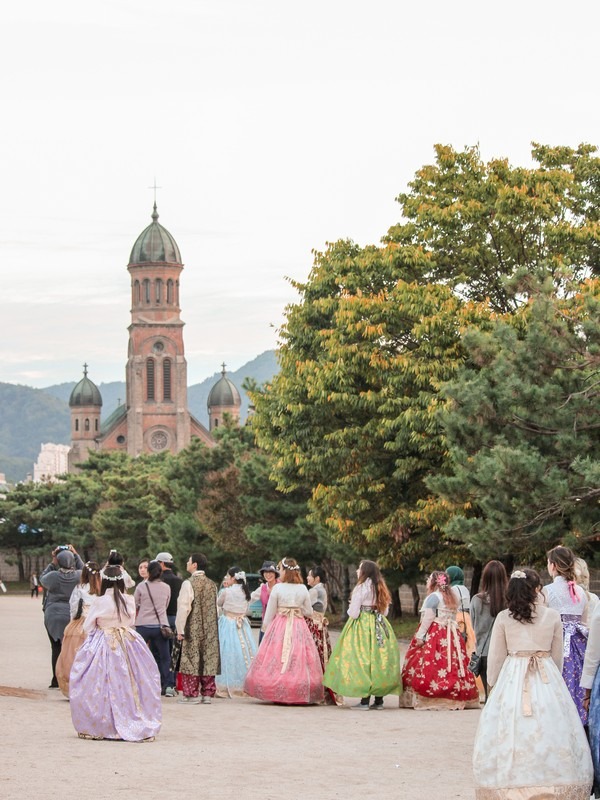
column 155, row 187
column 85, row 367
column 223, row 365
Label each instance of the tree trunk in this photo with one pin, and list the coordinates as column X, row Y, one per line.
column 396, row 609
column 416, row 599
column 20, row 565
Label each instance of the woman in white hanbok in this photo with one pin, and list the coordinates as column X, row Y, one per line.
column 530, row 743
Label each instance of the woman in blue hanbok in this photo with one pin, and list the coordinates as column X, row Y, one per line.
column 236, row 641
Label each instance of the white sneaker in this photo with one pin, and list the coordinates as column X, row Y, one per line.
column 206, row 701
column 170, row 692
column 190, row 701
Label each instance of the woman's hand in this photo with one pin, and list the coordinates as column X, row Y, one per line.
column 586, row 699
column 180, row 637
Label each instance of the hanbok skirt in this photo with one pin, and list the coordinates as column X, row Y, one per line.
column 575, row 636
column 286, row 668
column 115, row 687
column 73, row 638
column 365, row 660
column 238, row 650
column 318, row 626
column 435, row 674
column 594, row 731
column 530, row 743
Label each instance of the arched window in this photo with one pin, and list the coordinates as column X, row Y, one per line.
column 170, row 291
column 177, row 293
column 136, row 293
column 96, row 425
column 147, row 290
column 158, row 290
column 76, row 424
column 216, row 423
column 86, row 425
column 167, row 379
column 149, row 379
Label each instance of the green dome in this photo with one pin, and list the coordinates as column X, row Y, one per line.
column 155, row 244
column 224, row 393
column 86, row 393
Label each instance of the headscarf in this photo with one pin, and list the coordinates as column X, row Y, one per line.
column 66, row 559
column 456, row 575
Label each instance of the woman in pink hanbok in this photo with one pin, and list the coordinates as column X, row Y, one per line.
column 115, row 683
column 287, row 668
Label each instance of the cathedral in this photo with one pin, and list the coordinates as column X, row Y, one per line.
column 155, row 417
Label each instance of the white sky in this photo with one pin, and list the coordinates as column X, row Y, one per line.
column 272, row 126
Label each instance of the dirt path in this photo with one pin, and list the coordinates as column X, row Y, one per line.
column 240, row 748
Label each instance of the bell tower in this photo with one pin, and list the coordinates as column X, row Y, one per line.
column 156, row 372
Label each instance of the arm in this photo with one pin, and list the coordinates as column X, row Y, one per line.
column 74, row 600
column 128, row 580
column 255, row 595
column 49, row 577
column 498, row 649
column 427, row 616
column 221, row 598
column 184, row 606
column 271, row 611
column 306, row 606
column 92, row 615
column 356, row 601
column 592, row 652
column 556, row 649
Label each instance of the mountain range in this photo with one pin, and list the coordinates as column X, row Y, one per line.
column 31, row 417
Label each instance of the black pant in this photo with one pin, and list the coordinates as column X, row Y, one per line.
column 56, row 648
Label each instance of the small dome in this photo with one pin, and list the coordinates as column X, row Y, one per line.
column 86, row 393
column 224, row 393
column 155, row 244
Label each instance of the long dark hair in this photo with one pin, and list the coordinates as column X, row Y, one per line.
column 115, row 559
column 232, row 572
column 154, row 571
column 383, row 598
column 521, row 594
column 494, row 581
column 113, row 579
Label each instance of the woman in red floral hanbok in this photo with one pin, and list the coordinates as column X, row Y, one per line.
column 435, row 673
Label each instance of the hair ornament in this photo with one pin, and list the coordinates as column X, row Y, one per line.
column 91, row 569
column 286, row 566
column 518, row 573
column 442, row 580
column 240, row 576
column 105, row 577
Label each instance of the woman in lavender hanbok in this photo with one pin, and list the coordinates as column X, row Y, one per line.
column 570, row 600
column 115, row 683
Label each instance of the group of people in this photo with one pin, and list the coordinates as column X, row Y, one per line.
column 536, row 649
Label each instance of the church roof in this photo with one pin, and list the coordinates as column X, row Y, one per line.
column 155, row 244
column 117, row 415
column 224, row 393
column 86, row 393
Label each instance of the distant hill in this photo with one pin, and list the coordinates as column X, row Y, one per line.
column 31, row 417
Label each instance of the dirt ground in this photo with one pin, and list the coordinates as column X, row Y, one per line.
column 240, row 748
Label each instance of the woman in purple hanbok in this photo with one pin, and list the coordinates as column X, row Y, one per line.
column 570, row 600
column 115, row 683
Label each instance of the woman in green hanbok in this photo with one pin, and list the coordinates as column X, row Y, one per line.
column 365, row 660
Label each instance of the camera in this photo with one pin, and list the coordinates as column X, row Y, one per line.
column 63, row 547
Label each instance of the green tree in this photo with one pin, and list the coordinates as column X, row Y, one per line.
column 473, row 225
column 352, row 415
column 522, row 424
